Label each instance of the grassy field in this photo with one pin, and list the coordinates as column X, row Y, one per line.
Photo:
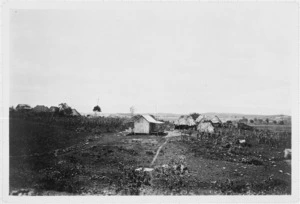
column 274, row 128
column 60, row 158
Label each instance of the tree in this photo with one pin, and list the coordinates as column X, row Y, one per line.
column 132, row 110
column 267, row 120
column 281, row 122
column 97, row 109
column 275, row 122
column 251, row 121
column 195, row 115
column 64, row 109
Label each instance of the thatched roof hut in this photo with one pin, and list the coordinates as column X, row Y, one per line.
column 41, row 108
column 75, row 113
column 200, row 118
column 205, row 127
column 216, row 120
column 185, row 120
column 23, row 107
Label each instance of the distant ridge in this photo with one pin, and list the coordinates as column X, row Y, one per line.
column 223, row 116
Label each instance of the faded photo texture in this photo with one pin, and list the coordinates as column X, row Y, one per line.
column 152, row 99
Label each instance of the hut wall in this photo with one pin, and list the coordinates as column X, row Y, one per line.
column 141, row 126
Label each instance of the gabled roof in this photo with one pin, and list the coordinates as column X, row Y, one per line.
column 150, row 119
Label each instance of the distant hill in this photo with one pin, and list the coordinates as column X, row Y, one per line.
column 237, row 116
column 223, row 116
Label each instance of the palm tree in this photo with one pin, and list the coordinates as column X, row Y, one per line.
column 96, row 109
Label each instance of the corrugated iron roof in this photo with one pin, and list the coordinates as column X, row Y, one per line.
column 150, row 119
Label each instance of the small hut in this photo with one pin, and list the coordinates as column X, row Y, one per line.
column 23, row 107
column 145, row 124
column 200, row 118
column 185, row 122
column 75, row 112
column 41, row 108
column 216, row 122
column 205, row 127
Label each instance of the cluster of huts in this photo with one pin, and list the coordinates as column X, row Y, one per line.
column 202, row 123
column 148, row 124
column 42, row 108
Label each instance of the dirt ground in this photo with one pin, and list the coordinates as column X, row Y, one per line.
column 106, row 163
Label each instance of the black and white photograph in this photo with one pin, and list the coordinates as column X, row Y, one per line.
column 181, row 98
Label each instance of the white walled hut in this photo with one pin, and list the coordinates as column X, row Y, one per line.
column 145, row 124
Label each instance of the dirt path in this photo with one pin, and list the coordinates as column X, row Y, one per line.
column 158, row 150
column 170, row 135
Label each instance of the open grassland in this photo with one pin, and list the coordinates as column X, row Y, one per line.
column 80, row 156
column 274, row 128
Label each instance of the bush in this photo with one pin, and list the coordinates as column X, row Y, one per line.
column 60, row 178
column 99, row 124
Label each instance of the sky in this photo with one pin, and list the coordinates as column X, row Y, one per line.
column 157, row 57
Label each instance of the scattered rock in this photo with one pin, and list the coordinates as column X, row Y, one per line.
column 242, row 141
column 165, row 166
column 22, row 192
column 288, row 153
column 56, row 152
column 144, row 169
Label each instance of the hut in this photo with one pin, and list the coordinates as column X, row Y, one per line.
column 216, row 122
column 75, row 112
column 23, row 107
column 185, row 122
column 41, row 108
column 200, row 118
column 206, row 127
column 145, row 124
